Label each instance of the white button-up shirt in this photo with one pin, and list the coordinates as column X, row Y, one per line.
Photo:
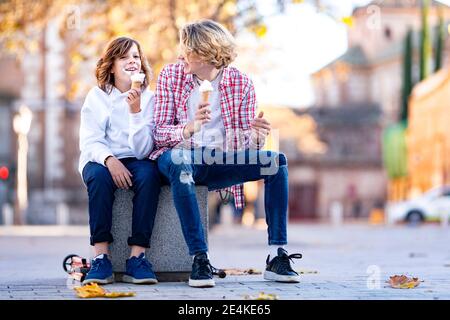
column 108, row 128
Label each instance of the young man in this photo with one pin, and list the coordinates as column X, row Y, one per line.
column 216, row 143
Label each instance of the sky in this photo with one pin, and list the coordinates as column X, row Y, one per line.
column 297, row 43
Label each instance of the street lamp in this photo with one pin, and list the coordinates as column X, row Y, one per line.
column 21, row 125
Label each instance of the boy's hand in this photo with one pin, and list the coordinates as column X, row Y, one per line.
column 120, row 174
column 202, row 115
column 260, row 128
column 134, row 100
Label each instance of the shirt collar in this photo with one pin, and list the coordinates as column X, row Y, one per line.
column 116, row 94
column 197, row 81
column 226, row 77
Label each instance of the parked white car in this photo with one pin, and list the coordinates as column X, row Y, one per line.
column 431, row 206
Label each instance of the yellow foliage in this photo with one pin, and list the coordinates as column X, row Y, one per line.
column 300, row 128
column 230, row 8
column 93, row 290
column 260, row 30
column 348, row 21
column 262, row 296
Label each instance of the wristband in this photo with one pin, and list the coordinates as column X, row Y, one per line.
column 104, row 162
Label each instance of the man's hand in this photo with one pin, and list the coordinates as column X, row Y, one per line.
column 260, row 128
column 134, row 100
column 202, row 115
column 120, row 174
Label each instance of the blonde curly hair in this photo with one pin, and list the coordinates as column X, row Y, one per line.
column 211, row 41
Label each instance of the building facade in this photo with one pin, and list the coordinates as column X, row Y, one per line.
column 356, row 97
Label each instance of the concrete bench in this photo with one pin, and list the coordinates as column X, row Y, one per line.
column 168, row 251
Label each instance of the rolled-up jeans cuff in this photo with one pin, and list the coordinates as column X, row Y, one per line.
column 277, row 243
column 102, row 237
column 139, row 240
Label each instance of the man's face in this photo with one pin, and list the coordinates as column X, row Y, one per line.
column 192, row 62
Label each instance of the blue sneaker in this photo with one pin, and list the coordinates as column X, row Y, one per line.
column 100, row 272
column 139, row 271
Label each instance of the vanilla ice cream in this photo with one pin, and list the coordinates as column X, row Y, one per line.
column 136, row 80
column 205, row 90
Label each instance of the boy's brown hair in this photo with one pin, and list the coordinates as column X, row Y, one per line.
column 114, row 50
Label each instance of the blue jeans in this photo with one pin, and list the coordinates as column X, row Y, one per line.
column 186, row 168
column 101, row 187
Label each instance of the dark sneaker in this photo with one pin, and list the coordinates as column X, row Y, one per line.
column 139, row 271
column 279, row 268
column 100, row 272
column 202, row 272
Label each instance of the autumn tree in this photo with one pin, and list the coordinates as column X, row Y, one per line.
column 86, row 26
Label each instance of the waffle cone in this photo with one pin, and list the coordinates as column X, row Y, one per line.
column 205, row 96
column 136, row 85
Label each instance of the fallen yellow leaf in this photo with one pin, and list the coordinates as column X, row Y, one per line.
column 93, row 290
column 403, row 282
column 262, row 296
column 119, row 294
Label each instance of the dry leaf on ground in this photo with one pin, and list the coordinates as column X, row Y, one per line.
column 403, row 282
column 240, row 272
column 262, row 296
column 93, row 290
column 306, row 271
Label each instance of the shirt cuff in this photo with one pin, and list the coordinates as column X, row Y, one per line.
column 181, row 133
column 102, row 157
column 136, row 119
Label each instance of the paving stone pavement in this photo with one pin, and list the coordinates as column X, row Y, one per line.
column 350, row 262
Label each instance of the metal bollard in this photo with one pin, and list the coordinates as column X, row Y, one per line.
column 336, row 213
column 62, row 214
column 8, row 214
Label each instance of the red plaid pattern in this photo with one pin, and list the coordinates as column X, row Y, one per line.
column 238, row 104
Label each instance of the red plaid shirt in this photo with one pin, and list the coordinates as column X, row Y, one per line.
column 237, row 102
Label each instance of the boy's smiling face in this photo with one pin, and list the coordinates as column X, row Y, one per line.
column 126, row 65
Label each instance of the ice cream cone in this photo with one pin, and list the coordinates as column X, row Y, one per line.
column 136, row 85
column 205, row 96
column 205, row 89
column 137, row 80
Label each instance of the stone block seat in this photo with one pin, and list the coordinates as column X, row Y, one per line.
column 168, row 251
